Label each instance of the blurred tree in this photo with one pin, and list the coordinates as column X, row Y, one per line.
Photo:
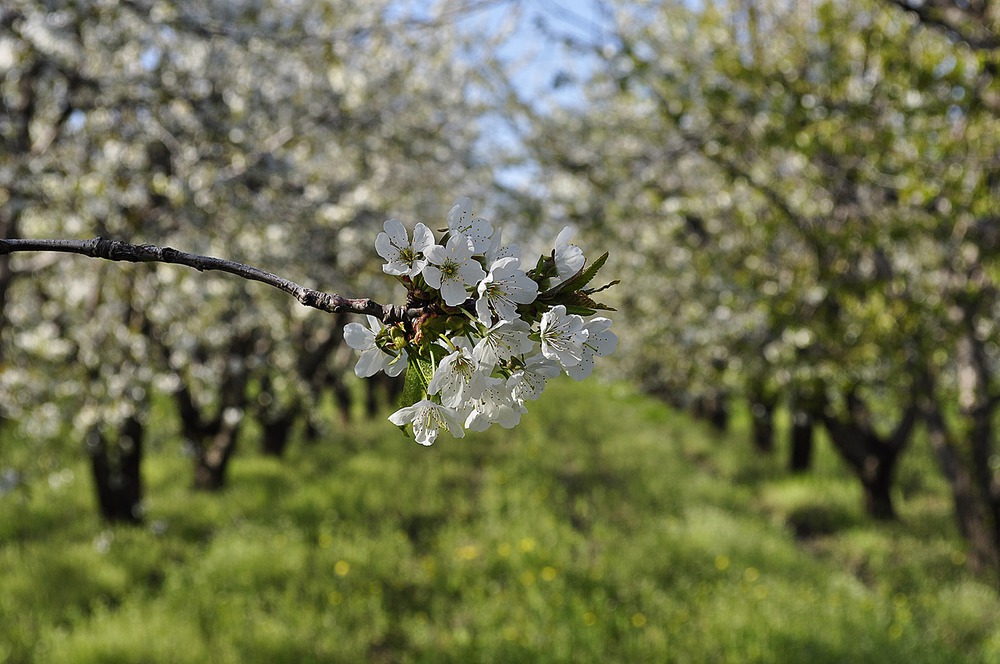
column 275, row 133
column 962, row 378
column 808, row 191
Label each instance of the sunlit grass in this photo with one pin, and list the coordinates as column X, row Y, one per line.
column 604, row 528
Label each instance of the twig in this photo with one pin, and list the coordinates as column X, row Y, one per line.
column 115, row 250
column 947, row 21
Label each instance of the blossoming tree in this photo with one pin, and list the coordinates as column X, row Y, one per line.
column 273, row 133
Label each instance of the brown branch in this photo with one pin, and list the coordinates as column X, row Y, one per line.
column 948, row 17
column 115, row 250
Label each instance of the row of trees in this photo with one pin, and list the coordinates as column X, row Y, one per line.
column 803, row 197
column 810, row 192
column 273, row 133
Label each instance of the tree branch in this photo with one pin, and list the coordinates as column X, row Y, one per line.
column 115, row 250
column 948, row 18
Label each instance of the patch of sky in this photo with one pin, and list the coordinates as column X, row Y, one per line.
column 548, row 49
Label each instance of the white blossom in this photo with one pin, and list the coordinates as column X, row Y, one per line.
column 503, row 341
column 503, row 289
column 600, row 341
column 404, row 257
column 529, row 382
column 373, row 359
column 459, row 377
column 428, row 418
column 452, row 269
column 498, row 250
column 569, row 257
column 461, row 220
column 496, row 405
column 563, row 336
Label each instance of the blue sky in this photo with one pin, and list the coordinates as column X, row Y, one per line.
column 532, row 46
column 531, row 31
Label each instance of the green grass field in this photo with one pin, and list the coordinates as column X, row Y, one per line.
column 604, row 529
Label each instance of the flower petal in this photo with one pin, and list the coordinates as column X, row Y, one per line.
column 370, row 362
column 432, row 276
column 452, row 292
column 422, row 238
column 358, row 336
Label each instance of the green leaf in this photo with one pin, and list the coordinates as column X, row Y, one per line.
column 581, row 278
column 591, row 291
column 418, row 375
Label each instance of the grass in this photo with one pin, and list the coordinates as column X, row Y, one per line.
column 605, row 528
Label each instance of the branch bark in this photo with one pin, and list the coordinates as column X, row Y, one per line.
column 970, row 25
column 116, row 250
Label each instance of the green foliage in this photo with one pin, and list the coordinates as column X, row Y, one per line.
column 573, row 292
column 419, row 372
column 604, row 528
column 808, row 194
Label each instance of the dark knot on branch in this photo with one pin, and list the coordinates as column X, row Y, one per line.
column 394, row 313
column 106, row 249
column 317, row 299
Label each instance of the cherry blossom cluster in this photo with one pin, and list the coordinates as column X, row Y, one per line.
column 493, row 332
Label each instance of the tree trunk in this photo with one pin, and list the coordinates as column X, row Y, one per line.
column 276, row 420
column 873, row 463
column 983, row 474
column 876, row 482
column 277, row 430
column 213, row 440
column 381, row 389
column 872, row 457
column 8, row 229
column 213, row 459
column 714, row 408
column 971, row 515
column 762, row 407
column 802, row 437
column 117, row 474
column 342, row 396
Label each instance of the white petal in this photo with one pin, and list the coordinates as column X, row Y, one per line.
column 417, row 267
column 396, row 231
column 397, row 365
column 569, row 257
column 460, row 211
column 432, row 276
column 396, row 268
column 471, row 272
column 477, row 421
column 583, row 369
column 403, row 415
column 425, row 437
column 460, row 248
column 454, row 426
column 452, row 292
column 604, row 343
column 505, row 310
column 508, row 417
column 423, row 238
column 370, row 363
column 504, row 265
column 436, row 254
column 384, row 248
column 483, row 310
column 358, row 336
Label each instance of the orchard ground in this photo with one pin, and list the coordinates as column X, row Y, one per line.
column 604, row 528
